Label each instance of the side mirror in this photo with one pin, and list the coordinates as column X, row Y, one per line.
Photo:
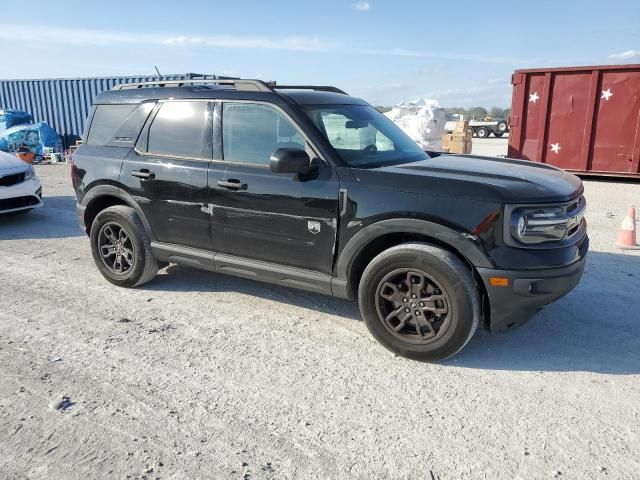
column 290, row 160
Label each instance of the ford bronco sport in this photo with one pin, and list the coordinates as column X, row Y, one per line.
column 308, row 187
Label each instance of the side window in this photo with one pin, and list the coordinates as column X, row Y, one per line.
column 252, row 132
column 346, row 134
column 182, row 129
column 106, row 120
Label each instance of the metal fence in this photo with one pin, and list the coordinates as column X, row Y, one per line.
column 64, row 103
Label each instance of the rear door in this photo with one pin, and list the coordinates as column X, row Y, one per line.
column 284, row 219
column 167, row 172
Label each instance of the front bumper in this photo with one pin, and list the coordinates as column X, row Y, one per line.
column 80, row 211
column 21, row 196
column 527, row 292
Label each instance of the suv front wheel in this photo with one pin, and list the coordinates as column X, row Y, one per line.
column 419, row 301
column 121, row 247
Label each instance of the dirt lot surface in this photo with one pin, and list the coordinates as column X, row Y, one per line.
column 197, row 375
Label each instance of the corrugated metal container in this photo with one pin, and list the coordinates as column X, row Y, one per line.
column 582, row 119
column 64, row 103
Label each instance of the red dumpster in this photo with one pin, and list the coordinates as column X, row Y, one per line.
column 582, row 119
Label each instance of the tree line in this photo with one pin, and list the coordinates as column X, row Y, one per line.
column 477, row 112
column 495, row 112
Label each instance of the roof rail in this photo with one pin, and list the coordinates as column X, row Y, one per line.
column 239, row 84
column 245, row 85
column 319, row 88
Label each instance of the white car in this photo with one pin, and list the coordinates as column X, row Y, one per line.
column 20, row 189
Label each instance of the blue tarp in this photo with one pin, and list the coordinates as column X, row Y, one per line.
column 38, row 137
column 10, row 117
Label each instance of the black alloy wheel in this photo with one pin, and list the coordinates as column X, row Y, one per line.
column 419, row 301
column 413, row 306
column 116, row 248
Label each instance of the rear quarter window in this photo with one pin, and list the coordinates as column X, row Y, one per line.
column 182, row 129
column 107, row 119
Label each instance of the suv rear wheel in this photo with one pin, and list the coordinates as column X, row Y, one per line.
column 121, row 247
column 419, row 301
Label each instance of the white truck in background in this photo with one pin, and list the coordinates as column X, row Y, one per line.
column 480, row 128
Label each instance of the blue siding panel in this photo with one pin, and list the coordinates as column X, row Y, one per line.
column 64, row 103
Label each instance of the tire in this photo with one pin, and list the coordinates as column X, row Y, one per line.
column 482, row 132
column 446, row 278
column 498, row 134
column 138, row 266
column 502, row 127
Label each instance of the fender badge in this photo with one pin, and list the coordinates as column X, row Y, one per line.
column 313, row 227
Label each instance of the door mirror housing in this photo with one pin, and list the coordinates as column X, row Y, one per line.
column 290, row 160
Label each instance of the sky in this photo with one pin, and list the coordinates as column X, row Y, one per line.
column 461, row 53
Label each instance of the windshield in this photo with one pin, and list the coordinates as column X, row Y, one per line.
column 363, row 137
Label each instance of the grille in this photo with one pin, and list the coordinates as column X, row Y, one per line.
column 18, row 202
column 576, row 211
column 9, row 180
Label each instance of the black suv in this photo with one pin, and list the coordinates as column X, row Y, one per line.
column 308, row 187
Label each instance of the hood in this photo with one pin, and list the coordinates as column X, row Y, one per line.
column 501, row 180
column 11, row 164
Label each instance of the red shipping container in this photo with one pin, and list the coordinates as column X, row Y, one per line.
column 582, row 119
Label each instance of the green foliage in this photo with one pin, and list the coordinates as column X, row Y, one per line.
column 479, row 112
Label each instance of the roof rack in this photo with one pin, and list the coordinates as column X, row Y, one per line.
column 239, row 84
column 246, row 85
column 319, row 88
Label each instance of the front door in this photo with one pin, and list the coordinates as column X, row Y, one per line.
column 167, row 173
column 260, row 215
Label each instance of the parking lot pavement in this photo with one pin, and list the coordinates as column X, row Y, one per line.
column 490, row 146
column 197, row 375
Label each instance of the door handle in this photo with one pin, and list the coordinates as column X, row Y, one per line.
column 143, row 174
column 232, row 184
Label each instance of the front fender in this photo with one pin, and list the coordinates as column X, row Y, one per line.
column 467, row 245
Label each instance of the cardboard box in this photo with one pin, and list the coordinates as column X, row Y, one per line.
column 461, row 126
column 446, row 142
column 456, row 142
column 460, row 146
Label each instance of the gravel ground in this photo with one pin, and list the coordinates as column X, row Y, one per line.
column 197, row 375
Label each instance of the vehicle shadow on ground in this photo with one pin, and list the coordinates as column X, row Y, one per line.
column 56, row 219
column 179, row 278
column 596, row 328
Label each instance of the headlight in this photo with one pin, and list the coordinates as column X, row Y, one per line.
column 29, row 174
column 545, row 224
column 538, row 225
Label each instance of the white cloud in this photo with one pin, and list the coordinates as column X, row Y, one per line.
column 104, row 38
column 295, row 43
column 626, row 55
column 362, row 6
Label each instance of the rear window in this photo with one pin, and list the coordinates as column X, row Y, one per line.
column 106, row 121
